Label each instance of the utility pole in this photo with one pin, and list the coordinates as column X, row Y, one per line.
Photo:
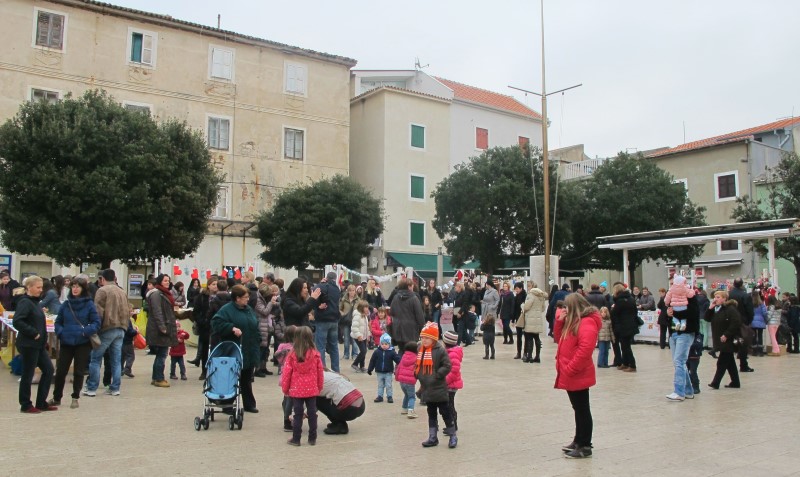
column 545, row 157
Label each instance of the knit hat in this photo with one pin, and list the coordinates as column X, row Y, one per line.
column 679, row 280
column 450, row 338
column 604, row 284
column 385, row 338
column 430, row 330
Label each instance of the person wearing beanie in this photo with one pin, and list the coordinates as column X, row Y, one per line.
column 454, row 381
column 383, row 360
column 431, row 369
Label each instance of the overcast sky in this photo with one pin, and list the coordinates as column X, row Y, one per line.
column 647, row 67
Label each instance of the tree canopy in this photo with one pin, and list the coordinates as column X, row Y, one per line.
column 491, row 207
column 86, row 180
column 626, row 195
column 330, row 221
column 781, row 201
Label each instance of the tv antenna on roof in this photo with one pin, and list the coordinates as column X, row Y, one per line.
column 417, row 66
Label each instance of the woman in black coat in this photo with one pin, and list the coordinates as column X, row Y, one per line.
column 725, row 328
column 298, row 304
column 625, row 323
column 31, row 326
column 663, row 320
column 506, row 313
column 202, row 321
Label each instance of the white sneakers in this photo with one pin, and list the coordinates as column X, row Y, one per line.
column 412, row 414
column 86, row 392
column 675, row 397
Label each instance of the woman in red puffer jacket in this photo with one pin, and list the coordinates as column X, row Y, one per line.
column 577, row 336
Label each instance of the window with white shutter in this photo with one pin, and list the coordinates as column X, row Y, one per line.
column 295, row 78
column 45, row 95
column 221, row 62
column 142, row 47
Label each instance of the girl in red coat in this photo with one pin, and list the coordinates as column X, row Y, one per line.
column 577, row 329
column 454, row 381
column 177, row 352
column 302, row 380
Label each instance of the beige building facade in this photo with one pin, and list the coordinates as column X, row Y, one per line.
column 273, row 114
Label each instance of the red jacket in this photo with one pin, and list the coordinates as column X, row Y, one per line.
column 404, row 373
column 180, row 348
column 377, row 330
column 456, row 354
column 302, row 380
column 574, row 365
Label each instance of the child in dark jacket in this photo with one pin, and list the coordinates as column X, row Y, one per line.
column 470, row 321
column 383, row 360
column 432, row 367
column 128, row 355
column 695, row 353
column 176, row 353
column 487, row 328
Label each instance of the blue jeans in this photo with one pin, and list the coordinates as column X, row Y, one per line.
column 326, row 338
column 110, row 340
column 409, row 398
column 602, row 354
column 436, row 315
column 679, row 344
column 385, row 382
column 347, row 340
column 159, row 362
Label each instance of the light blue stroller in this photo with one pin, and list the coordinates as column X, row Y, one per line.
column 221, row 387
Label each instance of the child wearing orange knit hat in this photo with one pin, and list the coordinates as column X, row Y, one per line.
column 431, row 370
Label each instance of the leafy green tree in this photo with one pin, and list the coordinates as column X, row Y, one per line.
column 781, row 201
column 86, row 180
column 630, row 194
column 488, row 208
column 330, row 221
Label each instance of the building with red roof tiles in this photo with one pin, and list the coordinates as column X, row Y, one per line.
column 408, row 131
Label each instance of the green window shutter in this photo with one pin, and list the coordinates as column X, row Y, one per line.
column 418, row 234
column 417, row 136
column 417, row 187
column 136, row 47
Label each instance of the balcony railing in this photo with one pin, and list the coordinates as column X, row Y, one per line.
column 578, row 170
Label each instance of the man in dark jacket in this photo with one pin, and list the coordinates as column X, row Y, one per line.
column 249, row 281
column 551, row 308
column 519, row 298
column 595, row 296
column 746, row 312
column 725, row 328
column 326, row 320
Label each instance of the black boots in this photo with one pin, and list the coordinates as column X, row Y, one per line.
column 433, row 439
column 452, row 432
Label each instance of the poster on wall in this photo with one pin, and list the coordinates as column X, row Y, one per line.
column 5, row 263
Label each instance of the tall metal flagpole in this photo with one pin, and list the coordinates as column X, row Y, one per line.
column 545, row 166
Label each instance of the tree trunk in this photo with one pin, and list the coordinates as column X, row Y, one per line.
column 796, row 263
column 631, row 275
column 105, row 264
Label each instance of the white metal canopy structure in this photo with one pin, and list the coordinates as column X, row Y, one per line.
column 764, row 230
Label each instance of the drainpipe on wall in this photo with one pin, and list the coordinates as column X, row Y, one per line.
column 750, row 174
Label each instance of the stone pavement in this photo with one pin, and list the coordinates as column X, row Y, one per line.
column 511, row 420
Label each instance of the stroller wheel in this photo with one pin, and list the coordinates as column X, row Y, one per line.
column 205, row 424
column 231, row 422
column 211, row 414
column 239, row 422
column 197, row 422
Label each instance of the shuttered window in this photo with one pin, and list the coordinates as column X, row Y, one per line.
column 50, row 30
column 221, row 63
column 481, row 138
column 296, row 78
column 142, row 47
column 417, row 187
column 417, row 136
column 417, row 233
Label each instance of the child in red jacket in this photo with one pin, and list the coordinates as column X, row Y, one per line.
column 454, row 381
column 379, row 325
column 177, row 352
column 302, row 380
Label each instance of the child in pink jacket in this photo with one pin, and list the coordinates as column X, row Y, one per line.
column 404, row 373
column 678, row 298
column 453, row 379
column 302, row 380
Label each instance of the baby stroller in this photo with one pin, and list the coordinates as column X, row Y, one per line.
column 221, row 387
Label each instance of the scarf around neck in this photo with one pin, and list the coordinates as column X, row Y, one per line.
column 166, row 293
column 424, row 363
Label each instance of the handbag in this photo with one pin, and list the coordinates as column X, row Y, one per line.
column 94, row 339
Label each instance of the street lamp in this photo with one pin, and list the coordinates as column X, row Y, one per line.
column 439, row 267
column 545, row 159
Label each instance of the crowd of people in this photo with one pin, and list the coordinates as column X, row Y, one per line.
column 300, row 330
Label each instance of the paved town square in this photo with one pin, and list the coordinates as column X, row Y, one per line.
column 511, row 422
